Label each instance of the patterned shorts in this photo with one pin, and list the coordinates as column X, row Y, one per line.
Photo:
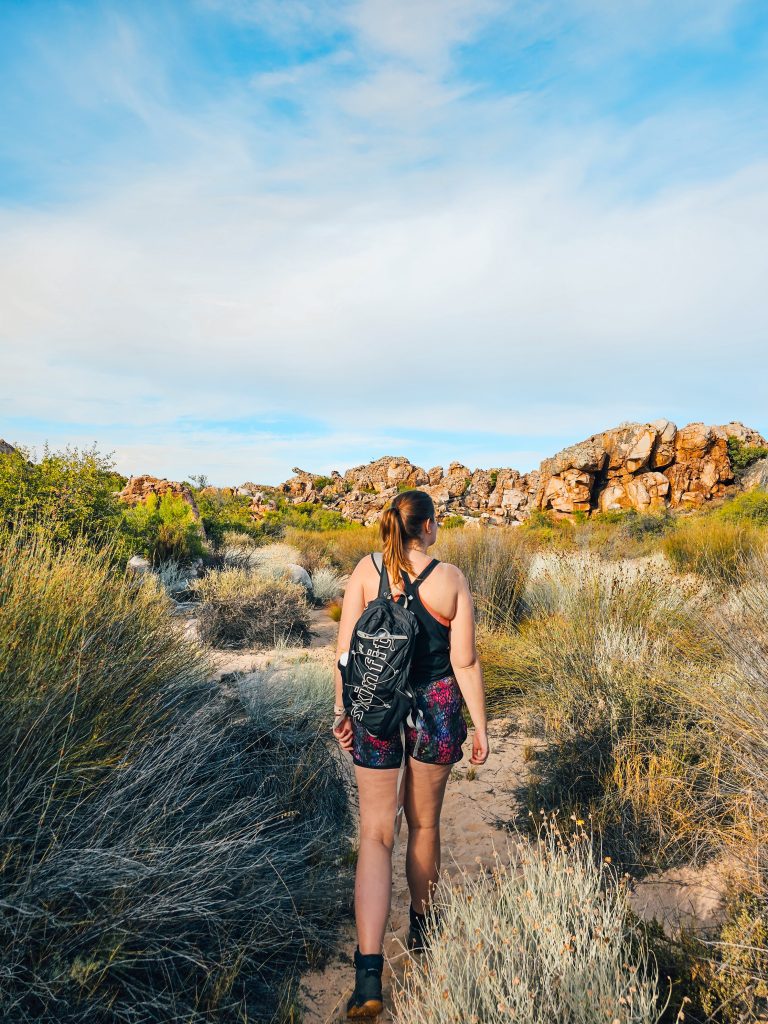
column 444, row 730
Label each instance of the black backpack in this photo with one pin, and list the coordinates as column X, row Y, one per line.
column 376, row 677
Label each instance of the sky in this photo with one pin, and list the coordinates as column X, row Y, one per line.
column 238, row 236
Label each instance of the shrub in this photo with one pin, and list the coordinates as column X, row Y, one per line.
column 545, row 530
column 452, row 522
column 66, row 494
column 242, row 609
column 547, row 938
column 496, row 564
column 742, row 455
column 175, row 579
column 752, row 506
column 223, row 513
column 326, row 585
column 320, row 482
column 719, row 549
column 165, row 845
column 602, row 650
column 164, row 528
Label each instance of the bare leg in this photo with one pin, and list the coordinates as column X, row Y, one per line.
column 373, row 880
column 424, row 791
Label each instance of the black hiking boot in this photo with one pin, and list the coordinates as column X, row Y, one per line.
column 417, row 933
column 366, row 1000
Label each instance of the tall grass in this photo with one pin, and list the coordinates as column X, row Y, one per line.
column 496, row 564
column 606, row 656
column 340, row 549
column 547, row 938
column 171, row 851
column 719, row 549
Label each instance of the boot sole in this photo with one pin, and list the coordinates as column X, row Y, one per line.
column 370, row 1008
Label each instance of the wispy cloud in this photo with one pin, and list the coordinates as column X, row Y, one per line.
column 428, row 215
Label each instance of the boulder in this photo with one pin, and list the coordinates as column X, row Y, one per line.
column 139, row 566
column 756, row 475
column 298, row 574
column 5, row 448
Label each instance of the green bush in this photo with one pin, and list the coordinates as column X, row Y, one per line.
column 66, row 494
column 221, row 513
column 321, row 482
column 752, row 506
column 163, row 528
column 240, row 608
column 171, row 849
column 452, row 522
column 742, row 455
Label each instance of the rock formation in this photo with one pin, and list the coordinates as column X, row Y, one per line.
column 642, row 466
column 5, row 448
column 139, row 488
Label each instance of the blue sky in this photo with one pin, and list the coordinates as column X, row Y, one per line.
column 242, row 235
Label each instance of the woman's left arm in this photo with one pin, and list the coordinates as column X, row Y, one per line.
column 351, row 610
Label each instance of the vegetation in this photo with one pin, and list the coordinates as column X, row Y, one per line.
column 743, row 455
column 340, row 549
column 496, row 564
column 545, row 938
column 65, row 494
column 163, row 528
column 452, row 522
column 326, row 585
column 717, row 547
column 240, row 608
column 172, row 850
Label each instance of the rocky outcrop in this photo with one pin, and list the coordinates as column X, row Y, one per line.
column 139, row 488
column 642, row 466
column 5, row 448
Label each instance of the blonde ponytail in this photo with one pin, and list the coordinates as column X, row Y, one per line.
column 403, row 520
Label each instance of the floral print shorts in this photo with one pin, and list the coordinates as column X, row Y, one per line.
column 443, row 731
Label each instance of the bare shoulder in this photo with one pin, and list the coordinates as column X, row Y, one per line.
column 452, row 575
column 364, row 567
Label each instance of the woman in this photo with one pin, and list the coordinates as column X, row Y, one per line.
column 444, row 670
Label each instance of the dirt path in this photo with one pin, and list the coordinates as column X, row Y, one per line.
column 473, row 801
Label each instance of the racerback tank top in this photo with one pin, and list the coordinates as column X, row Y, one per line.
column 431, row 655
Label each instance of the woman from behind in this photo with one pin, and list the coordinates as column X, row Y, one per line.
column 445, row 675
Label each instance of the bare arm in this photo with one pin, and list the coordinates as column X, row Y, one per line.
column 467, row 669
column 351, row 610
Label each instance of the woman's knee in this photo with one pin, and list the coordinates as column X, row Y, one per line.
column 378, row 834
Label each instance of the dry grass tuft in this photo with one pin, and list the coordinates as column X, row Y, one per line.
column 239, row 608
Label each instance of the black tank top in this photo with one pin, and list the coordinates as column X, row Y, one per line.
column 431, row 656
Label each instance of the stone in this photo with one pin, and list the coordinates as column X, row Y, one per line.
column 756, row 475
column 139, row 566
column 298, row 574
column 5, row 448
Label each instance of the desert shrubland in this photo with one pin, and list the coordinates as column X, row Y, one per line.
column 172, row 849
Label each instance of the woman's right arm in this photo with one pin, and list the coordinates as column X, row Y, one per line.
column 467, row 669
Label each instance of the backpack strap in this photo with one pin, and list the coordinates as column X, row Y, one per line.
column 385, row 588
column 424, row 573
